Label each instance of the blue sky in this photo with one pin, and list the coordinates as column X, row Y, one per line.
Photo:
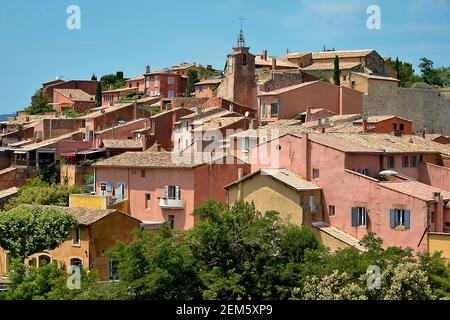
column 36, row 46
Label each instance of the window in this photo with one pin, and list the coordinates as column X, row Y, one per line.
column 200, row 89
column 170, row 94
column 312, row 203
column 172, row 192
column 447, row 225
column 103, row 188
column 133, row 171
column 76, row 262
column 147, row 82
column 112, row 270
column 394, row 126
column 274, row 109
column 170, row 80
column 76, row 236
column 245, row 144
column 155, row 81
column 414, row 161
column 171, row 221
column 345, row 78
column 142, row 173
column 263, row 110
column 400, row 218
column 148, row 197
column 353, row 84
column 316, row 173
column 405, row 161
column 32, row 262
column 244, row 59
column 44, row 260
column 331, row 210
column 391, row 162
column 402, row 126
column 359, row 217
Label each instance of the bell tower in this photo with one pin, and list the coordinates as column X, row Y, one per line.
column 239, row 84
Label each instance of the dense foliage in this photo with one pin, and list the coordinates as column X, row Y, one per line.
column 26, row 230
column 36, row 191
column 336, row 72
column 236, row 252
column 39, row 104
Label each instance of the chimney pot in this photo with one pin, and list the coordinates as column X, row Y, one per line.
column 274, row 64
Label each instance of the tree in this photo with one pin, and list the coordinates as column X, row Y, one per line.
column 336, row 72
column 191, row 81
column 405, row 73
column 38, row 192
column 39, row 104
column 119, row 75
column 397, row 68
column 94, row 77
column 98, row 94
column 429, row 74
column 26, row 230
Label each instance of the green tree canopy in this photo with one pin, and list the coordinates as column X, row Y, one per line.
column 26, row 230
column 98, row 94
column 191, row 81
column 39, row 104
column 336, row 72
column 94, row 77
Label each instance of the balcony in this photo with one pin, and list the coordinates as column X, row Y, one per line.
column 171, row 203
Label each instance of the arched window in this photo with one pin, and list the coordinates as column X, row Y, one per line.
column 44, row 259
column 76, row 262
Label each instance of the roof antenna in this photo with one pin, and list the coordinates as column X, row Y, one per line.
column 241, row 39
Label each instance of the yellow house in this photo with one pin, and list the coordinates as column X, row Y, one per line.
column 296, row 199
column 97, row 232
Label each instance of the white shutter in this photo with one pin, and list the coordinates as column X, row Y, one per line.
column 166, row 192
column 177, row 192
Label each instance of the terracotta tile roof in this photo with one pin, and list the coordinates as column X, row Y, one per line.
column 75, row 95
column 122, row 125
column 120, row 90
column 379, row 143
column 6, row 170
column 136, row 78
column 104, row 110
column 45, row 143
column 297, row 54
column 8, row 192
column 415, row 189
column 287, row 89
column 339, row 234
column 209, row 81
column 122, row 143
column 375, row 77
column 217, row 123
column 330, row 66
column 280, row 62
column 161, row 159
column 376, row 119
column 285, row 176
column 84, row 216
column 341, row 54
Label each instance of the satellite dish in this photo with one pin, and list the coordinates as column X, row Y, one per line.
column 246, row 114
column 388, row 173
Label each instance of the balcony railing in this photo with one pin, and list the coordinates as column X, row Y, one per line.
column 171, row 203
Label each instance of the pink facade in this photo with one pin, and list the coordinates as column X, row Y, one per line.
column 345, row 190
column 286, row 103
column 144, row 189
column 125, row 131
column 435, row 175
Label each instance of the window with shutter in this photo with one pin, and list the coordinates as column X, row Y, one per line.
column 166, row 192
column 354, row 217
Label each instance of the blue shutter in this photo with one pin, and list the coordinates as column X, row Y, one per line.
column 407, row 219
column 392, row 218
column 354, row 217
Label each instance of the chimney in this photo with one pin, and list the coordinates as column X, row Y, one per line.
column 364, row 125
column 274, row 64
column 147, row 69
column 264, row 55
column 308, row 114
column 110, row 86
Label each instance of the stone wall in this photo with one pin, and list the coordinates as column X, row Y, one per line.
column 422, row 106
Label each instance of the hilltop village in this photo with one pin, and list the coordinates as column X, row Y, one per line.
column 345, row 156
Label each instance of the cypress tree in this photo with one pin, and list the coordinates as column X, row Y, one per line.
column 94, row 77
column 98, row 94
column 336, row 72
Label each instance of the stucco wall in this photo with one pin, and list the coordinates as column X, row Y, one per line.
column 435, row 176
column 417, row 105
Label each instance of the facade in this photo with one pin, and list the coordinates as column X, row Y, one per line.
column 136, row 82
column 158, row 188
column 206, row 88
column 289, row 102
column 72, row 99
column 401, row 209
column 297, row 200
column 113, row 96
column 97, row 232
column 88, row 86
column 165, row 84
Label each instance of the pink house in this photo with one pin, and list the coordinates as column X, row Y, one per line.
column 357, row 196
column 288, row 102
column 161, row 188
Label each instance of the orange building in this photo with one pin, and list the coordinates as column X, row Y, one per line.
column 206, row 88
column 72, row 99
column 97, row 232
